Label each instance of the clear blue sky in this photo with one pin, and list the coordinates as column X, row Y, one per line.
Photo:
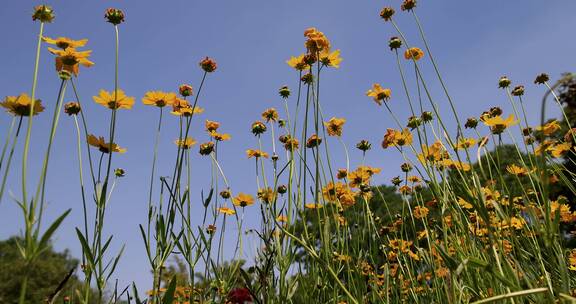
column 475, row 42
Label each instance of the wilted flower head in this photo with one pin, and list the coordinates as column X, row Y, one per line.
column 379, row 94
column 291, row 144
column 258, row 128
column 387, row 13
column 518, row 91
column 542, row 78
column 427, row 116
column 206, row 148
column 413, row 53
column 103, row 146
column 313, row 141
column 414, row 122
column 44, row 13
column 307, row 78
column 408, row 5
column 114, row 16
column 20, row 105
column 211, row 125
column 72, row 108
column 186, row 90
column 334, row 126
column 364, row 145
column 395, row 43
column 504, row 82
column 284, row 92
column 208, row 65
column 114, row 100
column 471, row 123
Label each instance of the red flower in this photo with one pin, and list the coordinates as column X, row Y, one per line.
column 239, row 296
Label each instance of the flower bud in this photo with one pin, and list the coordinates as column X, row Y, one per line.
column 471, row 123
column 119, row 172
column 72, row 108
column 504, row 82
column 208, row 65
column 518, row 91
column 364, row 145
column 258, row 128
column 408, row 5
column 44, row 13
column 206, row 148
column 414, row 122
column 396, row 181
column 427, row 116
column 307, row 78
column 395, row 43
column 542, row 78
column 313, row 141
column 387, row 13
column 64, row 75
column 406, row 167
column 284, row 92
column 186, row 90
column 225, row 194
column 282, row 189
column 114, row 16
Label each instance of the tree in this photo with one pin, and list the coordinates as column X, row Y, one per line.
column 49, row 270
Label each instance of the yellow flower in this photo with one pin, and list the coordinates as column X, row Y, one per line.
column 243, row 200
column 497, row 124
column 298, row 63
column 70, row 59
column 256, row 153
column 516, row 170
column 181, row 107
column 379, row 94
column 464, row 204
column 282, row 219
column 64, row 42
column 114, row 101
column 397, row 138
column 465, row 143
column 185, row 143
column 267, row 195
column 270, row 115
column 312, row 206
column 334, row 126
column 20, row 105
column 558, row 150
column 358, row 177
column 158, row 98
column 572, row 260
column 331, row 59
column 549, row 128
column 211, row 125
column 413, row 53
column 220, row 136
column 103, row 146
column 226, row 211
column 420, row 212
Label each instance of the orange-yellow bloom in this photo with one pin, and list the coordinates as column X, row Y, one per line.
column 65, row 42
column 220, row 136
column 517, row 170
column 159, row 98
column 331, row 59
column 270, row 115
column 181, row 107
column 70, row 59
column 298, row 63
column 103, row 146
column 114, row 101
column 226, row 211
column 185, row 143
column 211, row 125
column 20, row 105
column 243, row 200
column 497, row 124
column 334, row 126
column 379, row 94
column 256, row 153
column 413, row 53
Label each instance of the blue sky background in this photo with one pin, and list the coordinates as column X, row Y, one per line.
column 474, row 42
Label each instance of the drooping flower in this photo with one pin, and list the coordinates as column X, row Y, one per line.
column 159, row 98
column 211, row 125
column 243, row 200
column 185, row 143
column 65, row 42
column 413, row 53
column 256, row 153
column 103, row 146
column 114, row 101
column 70, row 59
column 334, row 126
column 20, row 105
column 379, row 94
